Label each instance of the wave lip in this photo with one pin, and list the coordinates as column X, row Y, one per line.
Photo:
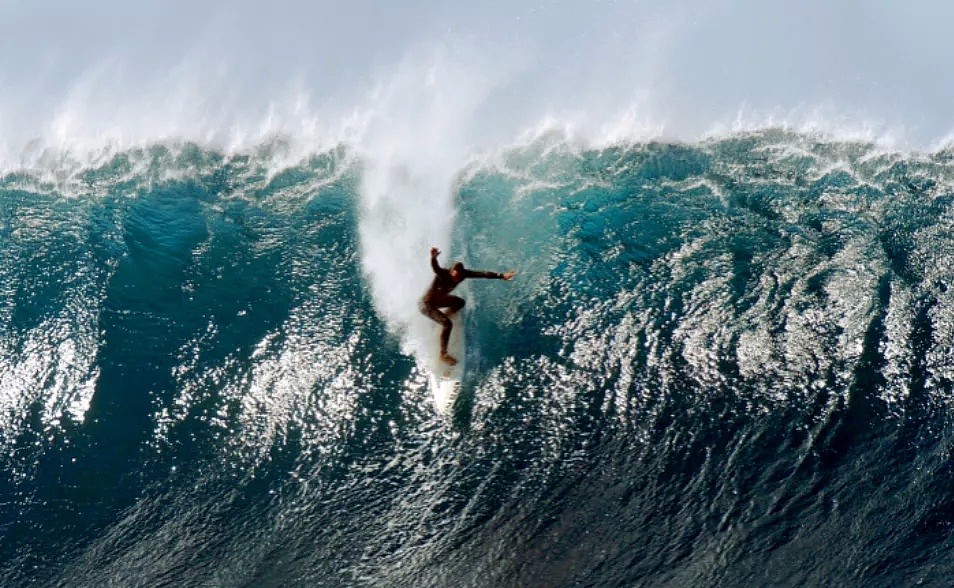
column 617, row 72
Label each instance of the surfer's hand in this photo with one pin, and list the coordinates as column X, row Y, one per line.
column 435, row 252
column 508, row 275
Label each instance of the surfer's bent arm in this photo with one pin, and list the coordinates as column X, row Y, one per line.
column 434, row 265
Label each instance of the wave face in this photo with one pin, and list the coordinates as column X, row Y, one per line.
column 723, row 363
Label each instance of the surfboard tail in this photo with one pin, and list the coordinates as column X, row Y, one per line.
column 445, row 379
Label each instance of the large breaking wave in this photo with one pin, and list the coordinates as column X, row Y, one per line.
column 724, row 362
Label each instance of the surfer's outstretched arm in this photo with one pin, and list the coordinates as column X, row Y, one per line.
column 489, row 275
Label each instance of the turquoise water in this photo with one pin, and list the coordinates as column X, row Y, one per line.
column 722, row 363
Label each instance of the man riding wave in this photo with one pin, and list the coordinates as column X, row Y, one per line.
column 438, row 296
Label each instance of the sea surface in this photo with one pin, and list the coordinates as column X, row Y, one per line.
column 723, row 363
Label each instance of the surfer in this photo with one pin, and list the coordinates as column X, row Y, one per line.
column 439, row 296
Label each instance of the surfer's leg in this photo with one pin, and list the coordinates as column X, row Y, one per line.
column 454, row 303
column 433, row 313
column 445, row 339
column 439, row 317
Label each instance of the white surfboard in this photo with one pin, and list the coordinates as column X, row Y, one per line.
column 445, row 380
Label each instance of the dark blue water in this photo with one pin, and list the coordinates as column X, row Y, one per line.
column 722, row 364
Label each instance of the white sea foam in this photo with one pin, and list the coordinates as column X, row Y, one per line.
column 412, row 146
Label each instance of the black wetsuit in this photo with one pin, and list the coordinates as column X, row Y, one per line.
column 439, row 296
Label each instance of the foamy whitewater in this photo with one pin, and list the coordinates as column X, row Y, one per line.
column 726, row 359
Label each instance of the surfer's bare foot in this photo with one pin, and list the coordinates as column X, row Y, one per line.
column 448, row 359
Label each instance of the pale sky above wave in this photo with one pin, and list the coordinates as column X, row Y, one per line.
column 688, row 67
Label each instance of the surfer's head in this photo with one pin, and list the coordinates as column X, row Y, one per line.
column 457, row 270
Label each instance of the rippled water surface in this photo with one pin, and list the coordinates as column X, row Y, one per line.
column 722, row 363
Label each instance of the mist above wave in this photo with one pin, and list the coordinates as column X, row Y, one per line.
column 230, row 75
